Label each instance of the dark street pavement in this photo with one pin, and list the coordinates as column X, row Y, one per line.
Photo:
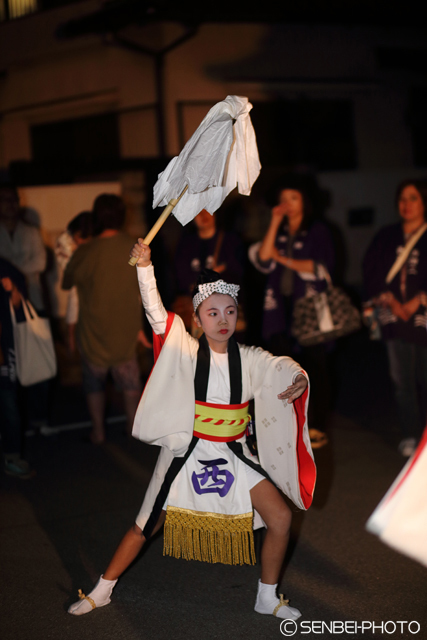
column 59, row 529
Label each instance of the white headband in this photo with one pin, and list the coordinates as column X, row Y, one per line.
column 219, row 286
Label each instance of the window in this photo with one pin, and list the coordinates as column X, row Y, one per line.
column 89, row 142
column 318, row 133
column 418, row 123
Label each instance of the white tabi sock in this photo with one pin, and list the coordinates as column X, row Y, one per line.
column 268, row 603
column 98, row 597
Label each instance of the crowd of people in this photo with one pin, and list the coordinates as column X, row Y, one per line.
column 296, row 256
column 199, row 363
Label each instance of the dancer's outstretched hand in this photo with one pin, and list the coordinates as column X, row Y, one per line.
column 295, row 390
column 142, row 252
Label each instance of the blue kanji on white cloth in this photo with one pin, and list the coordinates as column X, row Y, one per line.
column 221, row 478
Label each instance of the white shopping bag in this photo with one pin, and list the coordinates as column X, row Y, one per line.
column 35, row 353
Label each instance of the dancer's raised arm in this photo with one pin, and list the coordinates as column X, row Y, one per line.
column 151, row 300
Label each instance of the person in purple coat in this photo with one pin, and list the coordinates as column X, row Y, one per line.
column 205, row 245
column 401, row 306
column 294, row 254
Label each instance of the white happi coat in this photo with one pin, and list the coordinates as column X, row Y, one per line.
column 165, row 415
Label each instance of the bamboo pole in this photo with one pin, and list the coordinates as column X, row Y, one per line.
column 159, row 223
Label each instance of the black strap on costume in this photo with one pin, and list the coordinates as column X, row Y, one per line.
column 201, row 378
column 237, row 449
column 235, row 367
column 174, row 468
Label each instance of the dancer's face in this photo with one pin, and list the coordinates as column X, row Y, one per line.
column 217, row 316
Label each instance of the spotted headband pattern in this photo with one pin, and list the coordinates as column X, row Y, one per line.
column 219, row 286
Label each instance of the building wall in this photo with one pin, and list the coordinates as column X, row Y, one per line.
column 52, row 208
column 46, row 79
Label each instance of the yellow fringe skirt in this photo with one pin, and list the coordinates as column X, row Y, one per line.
column 209, row 537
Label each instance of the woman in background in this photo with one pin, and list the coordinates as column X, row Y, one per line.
column 401, row 305
column 294, row 254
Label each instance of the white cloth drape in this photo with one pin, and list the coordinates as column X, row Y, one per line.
column 217, row 158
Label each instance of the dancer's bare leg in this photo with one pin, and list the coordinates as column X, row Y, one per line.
column 126, row 553
column 128, row 549
column 277, row 516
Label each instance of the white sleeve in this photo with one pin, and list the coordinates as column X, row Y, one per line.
column 265, row 267
column 154, row 310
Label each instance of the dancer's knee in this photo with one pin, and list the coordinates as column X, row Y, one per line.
column 280, row 520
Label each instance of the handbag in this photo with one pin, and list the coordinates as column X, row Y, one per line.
column 322, row 317
column 35, row 353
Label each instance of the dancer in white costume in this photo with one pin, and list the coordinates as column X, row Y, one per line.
column 207, row 486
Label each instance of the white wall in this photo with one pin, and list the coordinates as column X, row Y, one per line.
column 52, row 208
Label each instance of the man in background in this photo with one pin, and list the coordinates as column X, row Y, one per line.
column 109, row 312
